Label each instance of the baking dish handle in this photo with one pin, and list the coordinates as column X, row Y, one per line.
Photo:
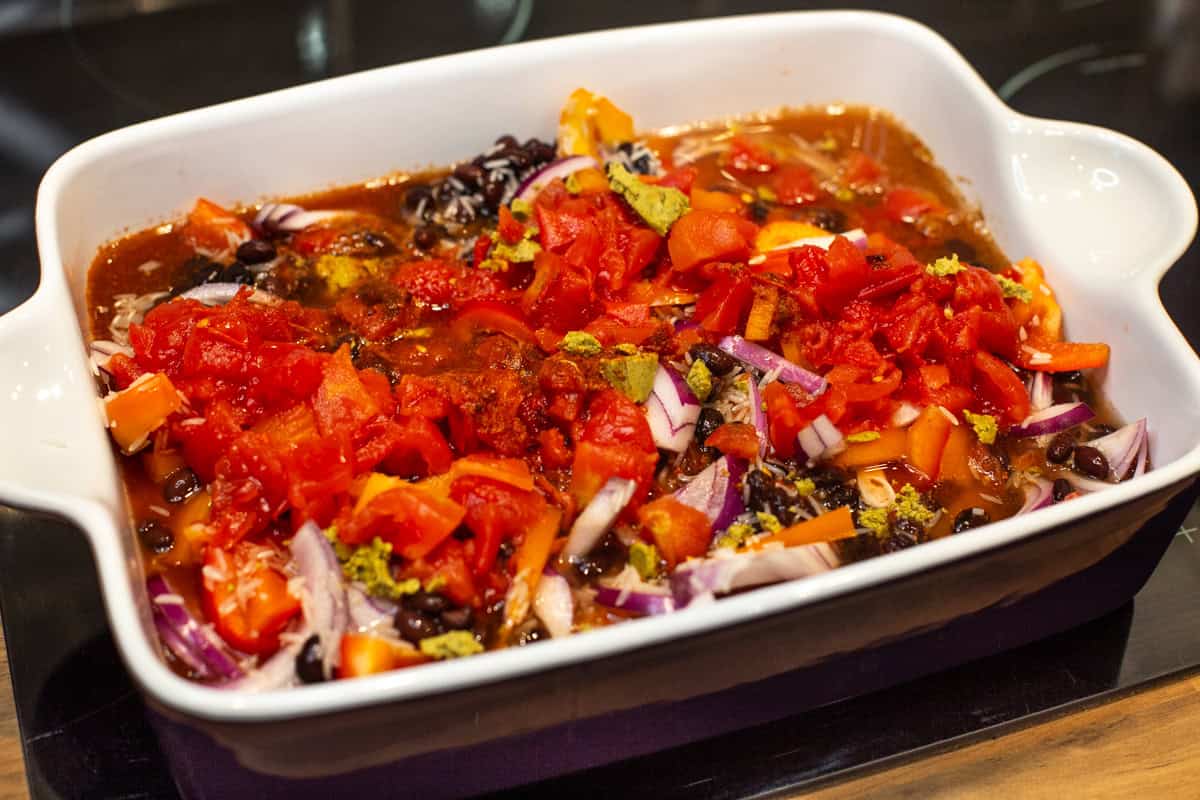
column 53, row 447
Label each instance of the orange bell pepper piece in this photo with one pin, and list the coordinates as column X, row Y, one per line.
column 1062, row 356
column 832, row 525
column 891, row 445
column 136, row 412
column 762, row 313
column 927, row 439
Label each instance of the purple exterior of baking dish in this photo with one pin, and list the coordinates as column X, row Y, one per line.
column 1066, row 576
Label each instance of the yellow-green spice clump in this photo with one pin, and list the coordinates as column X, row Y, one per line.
column 862, row 436
column 579, row 343
column 876, row 521
column 805, row 487
column 735, row 535
column 699, row 380
column 908, row 504
column 632, row 376
column 454, row 644
column 984, row 425
column 371, row 565
column 1010, row 288
column 769, row 522
column 659, row 206
column 644, row 558
column 944, row 267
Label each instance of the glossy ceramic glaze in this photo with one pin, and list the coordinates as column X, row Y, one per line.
column 1105, row 214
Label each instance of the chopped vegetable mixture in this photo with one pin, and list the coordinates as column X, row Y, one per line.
column 558, row 386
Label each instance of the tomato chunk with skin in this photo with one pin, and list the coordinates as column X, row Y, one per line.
column 250, row 621
column 412, row 520
column 679, row 531
column 699, row 237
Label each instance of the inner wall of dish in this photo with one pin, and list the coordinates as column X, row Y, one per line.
column 1038, row 188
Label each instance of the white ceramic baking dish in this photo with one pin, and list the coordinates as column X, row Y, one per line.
column 1106, row 215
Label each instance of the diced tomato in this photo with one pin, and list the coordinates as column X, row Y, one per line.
column 494, row 512
column 561, row 296
column 784, row 421
column 494, row 316
column 342, row 404
column 721, row 307
column 1001, row 386
column 680, row 178
column 413, row 520
column 904, row 204
column 848, row 274
column 447, row 564
column 248, row 620
column 699, row 237
column 794, row 185
column 594, row 464
column 554, row 449
column 508, row 227
column 746, row 156
column 735, row 439
column 615, row 419
column 679, row 531
column 214, row 230
column 861, row 169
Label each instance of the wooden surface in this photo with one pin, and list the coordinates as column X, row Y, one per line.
column 1143, row 745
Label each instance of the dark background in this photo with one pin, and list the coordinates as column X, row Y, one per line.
column 71, row 70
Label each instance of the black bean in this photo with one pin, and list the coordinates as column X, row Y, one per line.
column 426, row 602
column 970, row 518
column 642, row 165
column 759, row 211
column 426, row 237
column 415, row 626
column 710, row 420
column 1072, row 378
column 443, row 192
column 310, row 661
column 540, row 151
column 180, row 485
column 826, row 478
column 718, row 361
column 519, row 158
column 255, row 251
column 1062, row 488
column 353, row 339
column 606, row 558
column 905, row 533
column 827, row 219
column 759, row 485
column 470, row 174
column 376, row 240
column 841, row 495
column 507, row 140
column 414, row 196
column 1060, row 448
column 456, row 619
column 237, row 273
column 1091, row 462
column 1102, row 429
column 493, row 192
column 156, row 536
column 876, row 260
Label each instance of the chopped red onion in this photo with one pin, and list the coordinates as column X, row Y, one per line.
column 598, row 516
column 277, row 672
column 758, row 416
column 1143, row 457
column 554, row 605
column 761, row 358
column 1038, row 494
column 820, row 437
column 370, row 614
column 199, row 641
column 672, row 411
column 644, row 603
column 218, row 294
column 108, row 348
column 722, row 573
column 564, row 168
column 1085, row 484
column 905, row 414
column 715, row 491
column 323, row 595
column 289, row 218
column 1121, row 448
column 857, row 237
column 1053, row 420
column 1041, row 391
